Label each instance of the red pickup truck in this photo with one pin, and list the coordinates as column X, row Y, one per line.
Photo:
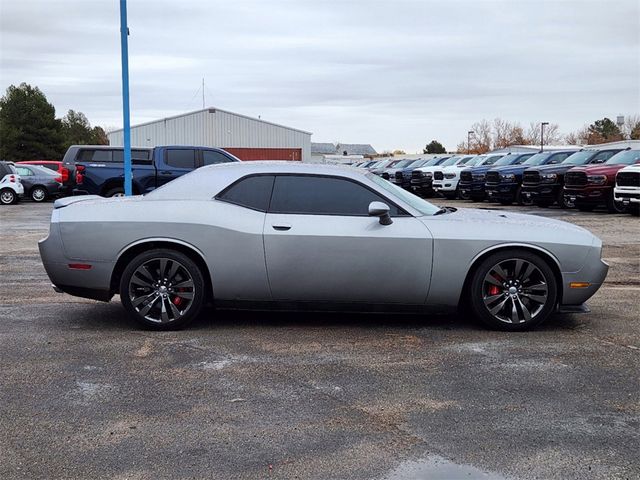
column 591, row 186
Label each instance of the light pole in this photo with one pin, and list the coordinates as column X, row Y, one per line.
column 542, row 135
column 469, row 133
column 126, row 132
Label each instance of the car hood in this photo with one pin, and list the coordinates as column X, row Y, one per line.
column 557, row 168
column 598, row 169
column 479, row 169
column 510, row 169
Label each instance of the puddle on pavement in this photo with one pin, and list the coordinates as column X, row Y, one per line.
column 438, row 468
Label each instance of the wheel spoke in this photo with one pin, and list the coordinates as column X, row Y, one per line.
column 515, row 318
column 525, row 310
column 163, row 310
column 538, row 286
column 489, row 300
column 535, row 298
column 163, row 268
column 148, row 306
column 187, row 295
column 498, row 269
column 185, row 283
column 173, row 270
column 498, row 307
column 527, row 273
column 492, row 280
column 140, row 281
column 137, row 301
column 144, row 271
column 174, row 310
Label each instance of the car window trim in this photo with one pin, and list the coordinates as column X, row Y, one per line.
column 219, row 198
column 352, row 180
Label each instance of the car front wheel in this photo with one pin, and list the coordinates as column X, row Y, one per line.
column 162, row 289
column 513, row 290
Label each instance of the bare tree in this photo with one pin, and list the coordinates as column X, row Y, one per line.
column 631, row 127
column 552, row 134
column 506, row 133
column 579, row 137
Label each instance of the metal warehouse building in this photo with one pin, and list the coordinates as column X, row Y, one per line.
column 246, row 137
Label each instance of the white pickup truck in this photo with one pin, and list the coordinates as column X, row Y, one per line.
column 627, row 189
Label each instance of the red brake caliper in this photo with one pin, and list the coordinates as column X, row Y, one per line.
column 494, row 290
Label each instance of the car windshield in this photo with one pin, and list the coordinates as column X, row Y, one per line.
column 491, row 160
column 451, row 161
column 627, row 157
column 537, row 159
column 473, row 161
column 580, row 158
column 416, row 202
column 402, row 163
column 429, row 163
column 506, row 160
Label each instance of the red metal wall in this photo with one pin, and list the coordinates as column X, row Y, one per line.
column 248, row 154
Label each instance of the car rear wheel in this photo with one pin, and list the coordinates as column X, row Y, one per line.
column 513, row 290
column 8, row 197
column 162, row 289
column 38, row 194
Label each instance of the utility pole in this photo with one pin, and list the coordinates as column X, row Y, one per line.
column 126, row 132
column 469, row 133
column 542, row 135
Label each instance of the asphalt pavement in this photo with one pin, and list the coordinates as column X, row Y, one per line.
column 251, row 395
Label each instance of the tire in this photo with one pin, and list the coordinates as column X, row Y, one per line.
column 115, row 192
column 464, row 195
column 8, row 197
column 145, row 291
column 39, row 194
column 560, row 200
column 613, row 206
column 524, row 275
column 634, row 210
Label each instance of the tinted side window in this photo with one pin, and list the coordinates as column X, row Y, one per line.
column 138, row 157
column 561, row 157
column 252, row 192
column 182, row 158
column 323, row 196
column 602, row 157
column 100, row 155
column 24, row 172
column 211, row 157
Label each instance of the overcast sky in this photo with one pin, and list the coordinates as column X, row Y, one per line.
column 393, row 73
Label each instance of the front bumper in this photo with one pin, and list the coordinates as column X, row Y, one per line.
column 446, row 185
column 541, row 193
column 501, row 191
column 422, row 185
column 593, row 272
column 589, row 195
column 627, row 195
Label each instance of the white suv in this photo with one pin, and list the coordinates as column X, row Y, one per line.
column 627, row 189
column 11, row 188
column 446, row 178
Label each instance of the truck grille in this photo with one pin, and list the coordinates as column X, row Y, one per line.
column 466, row 177
column 438, row 176
column 416, row 174
column 628, row 179
column 575, row 179
column 399, row 176
column 531, row 178
column 385, row 175
column 492, row 177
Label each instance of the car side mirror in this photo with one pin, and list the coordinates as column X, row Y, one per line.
column 379, row 209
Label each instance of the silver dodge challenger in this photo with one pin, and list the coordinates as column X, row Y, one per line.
column 285, row 235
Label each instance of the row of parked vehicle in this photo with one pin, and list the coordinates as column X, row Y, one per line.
column 581, row 178
column 98, row 170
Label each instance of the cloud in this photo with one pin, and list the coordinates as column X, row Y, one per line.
column 395, row 73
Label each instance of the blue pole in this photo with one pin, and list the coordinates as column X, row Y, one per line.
column 124, row 53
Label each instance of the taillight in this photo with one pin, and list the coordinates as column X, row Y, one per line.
column 79, row 174
column 64, row 172
column 12, row 178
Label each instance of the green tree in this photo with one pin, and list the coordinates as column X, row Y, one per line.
column 602, row 131
column 434, row 147
column 28, row 125
column 99, row 136
column 76, row 129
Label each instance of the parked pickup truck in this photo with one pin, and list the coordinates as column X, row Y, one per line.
column 592, row 185
column 627, row 189
column 98, row 169
column 504, row 184
column 543, row 185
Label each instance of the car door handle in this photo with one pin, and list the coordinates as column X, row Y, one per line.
column 281, row 227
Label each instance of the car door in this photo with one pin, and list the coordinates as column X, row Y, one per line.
column 321, row 245
column 176, row 162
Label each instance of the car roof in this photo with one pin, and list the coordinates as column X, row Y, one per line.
column 30, row 162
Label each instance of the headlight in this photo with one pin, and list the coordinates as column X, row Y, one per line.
column 507, row 177
column 478, row 176
column 548, row 177
column 597, row 179
column 449, row 175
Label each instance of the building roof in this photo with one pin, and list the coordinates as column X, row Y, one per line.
column 211, row 110
column 340, row 148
